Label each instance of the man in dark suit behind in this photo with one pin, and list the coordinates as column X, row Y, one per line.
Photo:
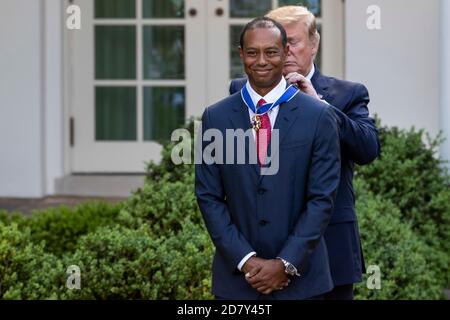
column 268, row 228
column 358, row 138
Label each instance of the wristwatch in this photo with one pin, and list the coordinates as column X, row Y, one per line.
column 289, row 268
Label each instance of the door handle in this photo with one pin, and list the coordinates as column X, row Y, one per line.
column 219, row 12
column 192, row 12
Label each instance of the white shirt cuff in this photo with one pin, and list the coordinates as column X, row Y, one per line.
column 244, row 260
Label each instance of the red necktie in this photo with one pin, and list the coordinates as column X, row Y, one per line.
column 263, row 135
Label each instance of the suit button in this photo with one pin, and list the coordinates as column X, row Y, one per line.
column 261, row 191
column 262, row 223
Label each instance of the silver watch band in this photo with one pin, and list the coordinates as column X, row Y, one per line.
column 289, row 268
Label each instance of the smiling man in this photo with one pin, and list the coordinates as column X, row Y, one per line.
column 268, row 229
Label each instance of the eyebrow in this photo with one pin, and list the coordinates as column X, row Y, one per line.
column 268, row 48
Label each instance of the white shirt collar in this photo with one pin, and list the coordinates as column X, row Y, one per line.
column 271, row 97
column 311, row 73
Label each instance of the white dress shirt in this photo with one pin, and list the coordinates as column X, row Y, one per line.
column 311, row 73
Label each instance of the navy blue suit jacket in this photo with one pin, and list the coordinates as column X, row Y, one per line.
column 282, row 215
column 359, row 144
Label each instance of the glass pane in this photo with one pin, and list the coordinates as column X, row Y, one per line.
column 236, row 68
column 313, row 5
column 115, row 8
column 164, row 111
column 163, row 52
column 163, row 8
column 115, row 113
column 249, row 8
column 115, row 52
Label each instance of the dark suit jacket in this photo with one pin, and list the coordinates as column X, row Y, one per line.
column 282, row 215
column 359, row 144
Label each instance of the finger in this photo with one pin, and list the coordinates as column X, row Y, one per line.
column 255, row 281
column 263, row 288
column 268, row 291
column 291, row 80
column 253, row 272
column 260, row 285
column 289, row 75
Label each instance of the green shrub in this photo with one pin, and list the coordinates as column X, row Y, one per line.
column 166, row 168
column 8, row 218
column 61, row 227
column 391, row 244
column 163, row 204
column 411, row 176
column 120, row 263
column 186, row 259
column 26, row 270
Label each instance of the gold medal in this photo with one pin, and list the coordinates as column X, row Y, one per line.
column 256, row 122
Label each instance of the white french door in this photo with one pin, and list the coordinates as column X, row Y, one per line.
column 138, row 69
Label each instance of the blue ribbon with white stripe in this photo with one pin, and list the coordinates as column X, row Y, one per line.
column 288, row 94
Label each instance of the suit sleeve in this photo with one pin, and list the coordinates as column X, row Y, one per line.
column 210, row 194
column 323, row 181
column 358, row 133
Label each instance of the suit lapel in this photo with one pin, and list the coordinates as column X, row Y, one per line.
column 241, row 120
column 320, row 83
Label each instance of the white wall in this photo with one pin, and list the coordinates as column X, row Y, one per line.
column 54, row 123
column 445, row 77
column 399, row 63
column 21, row 99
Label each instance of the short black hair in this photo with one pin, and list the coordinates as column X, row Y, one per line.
column 263, row 22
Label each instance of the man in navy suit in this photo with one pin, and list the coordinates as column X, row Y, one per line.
column 358, row 138
column 268, row 228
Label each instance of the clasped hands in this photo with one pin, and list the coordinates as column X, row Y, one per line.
column 265, row 275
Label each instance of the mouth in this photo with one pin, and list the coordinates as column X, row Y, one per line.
column 262, row 72
column 290, row 64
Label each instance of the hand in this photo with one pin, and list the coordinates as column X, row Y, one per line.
column 303, row 84
column 268, row 276
column 252, row 263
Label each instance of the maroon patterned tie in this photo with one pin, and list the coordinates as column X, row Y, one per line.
column 263, row 135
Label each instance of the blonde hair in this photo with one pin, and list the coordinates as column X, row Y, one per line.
column 296, row 14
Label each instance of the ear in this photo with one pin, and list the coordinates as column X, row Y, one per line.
column 286, row 49
column 315, row 44
column 241, row 52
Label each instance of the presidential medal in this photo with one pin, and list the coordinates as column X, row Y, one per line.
column 256, row 121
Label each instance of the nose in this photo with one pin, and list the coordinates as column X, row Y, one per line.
column 262, row 59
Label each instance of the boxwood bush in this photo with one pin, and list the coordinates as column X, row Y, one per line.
column 412, row 176
column 60, row 228
column 122, row 263
column 27, row 271
column 402, row 256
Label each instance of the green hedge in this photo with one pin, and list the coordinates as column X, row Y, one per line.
column 390, row 244
column 26, row 270
column 411, row 175
column 60, row 228
column 122, row 263
column 155, row 245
